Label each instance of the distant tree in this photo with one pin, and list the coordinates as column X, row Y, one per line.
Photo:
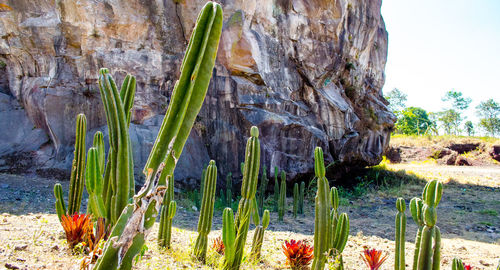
column 458, row 101
column 414, row 121
column 489, row 113
column 450, row 121
column 397, row 100
column 469, row 128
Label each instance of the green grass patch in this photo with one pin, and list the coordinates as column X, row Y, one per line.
column 488, row 212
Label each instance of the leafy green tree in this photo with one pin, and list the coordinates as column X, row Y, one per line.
column 489, row 113
column 469, row 128
column 413, row 121
column 450, row 121
column 397, row 100
column 457, row 99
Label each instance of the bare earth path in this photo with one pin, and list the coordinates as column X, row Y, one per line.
column 32, row 238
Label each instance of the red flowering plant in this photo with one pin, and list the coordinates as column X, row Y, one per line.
column 298, row 254
column 218, row 245
column 78, row 228
column 373, row 258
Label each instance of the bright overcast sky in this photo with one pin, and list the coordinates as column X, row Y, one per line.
column 439, row 45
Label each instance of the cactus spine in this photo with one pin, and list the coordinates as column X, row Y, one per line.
column 206, row 213
column 258, row 237
column 94, row 184
column 60, row 205
column 166, row 215
column 276, row 190
column 322, row 213
column 400, row 234
column 262, row 190
column 295, row 199
column 78, row 167
column 282, row 199
column 301, row 197
column 248, row 190
column 457, row 264
column 229, row 193
column 429, row 257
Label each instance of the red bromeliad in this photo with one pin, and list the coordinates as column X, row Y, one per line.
column 298, row 253
column 373, row 258
column 77, row 227
column 218, row 245
column 467, row 267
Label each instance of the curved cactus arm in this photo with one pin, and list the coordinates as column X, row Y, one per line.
column 189, row 91
column 94, row 183
column 60, row 205
column 78, row 166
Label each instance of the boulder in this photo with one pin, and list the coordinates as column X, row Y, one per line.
column 495, row 152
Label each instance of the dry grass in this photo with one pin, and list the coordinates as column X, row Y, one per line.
column 442, row 141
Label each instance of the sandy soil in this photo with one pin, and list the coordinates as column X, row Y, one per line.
column 32, row 238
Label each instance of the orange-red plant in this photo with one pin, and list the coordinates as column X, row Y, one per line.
column 218, row 245
column 298, row 254
column 77, row 228
column 373, row 258
column 467, row 267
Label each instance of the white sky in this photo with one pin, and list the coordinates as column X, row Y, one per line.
column 439, row 45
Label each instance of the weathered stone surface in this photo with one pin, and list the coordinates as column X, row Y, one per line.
column 307, row 73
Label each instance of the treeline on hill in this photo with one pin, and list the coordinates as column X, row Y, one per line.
column 417, row 121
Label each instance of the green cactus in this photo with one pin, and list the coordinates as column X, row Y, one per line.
column 301, row 197
column 322, row 212
column 341, row 233
column 94, row 184
column 228, row 236
column 262, row 190
column 206, row 212
column 334, row 213
column 202, row 180
column 166, row 216
column 242, row 167
column 229, row 193
column 258, row 237
column 118, row 180
column 429, row 257
column 248, row 190
column 282, row 199
column 276, row 189
column 295, row 199
column 98, row 143
column 78, row 166
column 457, row 264
column 416, row 205
column 60, row 205
column 400, row 234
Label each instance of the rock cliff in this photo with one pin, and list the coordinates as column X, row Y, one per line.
column 306, row 72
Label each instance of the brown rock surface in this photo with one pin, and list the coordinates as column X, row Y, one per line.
column 307, row 73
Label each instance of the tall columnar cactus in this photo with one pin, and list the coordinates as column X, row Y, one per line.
column 457, row 264
column 301, row 197
column 202, row 180
column 282, row 199
column 229, row 186
column 94, row 184
column 60, row 205
column 340, row 235
column 262, row 190
column 118, row 180
column 248, row 190
column 166, row 216
column 206, row 212
column 399, row 263
column 78, row 166
column 98, row 143
column 334, row 212
column 276, row 189
column 295, row 199
column 429, row 256
column 228, row 235
column 416, row 205
column 258, row 237
column 322, row 213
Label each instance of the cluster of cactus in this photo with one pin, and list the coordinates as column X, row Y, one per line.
column 258, row 237
column 206, row 212
column 135, row 222
column 262, row 190
column 77, row 174
column 399, row 263
column 282, row 197
column 331, row 230
column 427, row 256
column 234, row 231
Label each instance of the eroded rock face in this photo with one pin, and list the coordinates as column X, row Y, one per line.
column 307, row 72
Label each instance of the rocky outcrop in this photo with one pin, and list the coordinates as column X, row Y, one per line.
column 306, row 72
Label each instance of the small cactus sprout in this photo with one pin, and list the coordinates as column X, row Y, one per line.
column 258, row 237
column 373, row 258
column 399, row 263
column 60, row 205
column 298, row 254
column 295, row 199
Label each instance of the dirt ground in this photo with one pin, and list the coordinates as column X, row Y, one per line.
column 468, row 215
